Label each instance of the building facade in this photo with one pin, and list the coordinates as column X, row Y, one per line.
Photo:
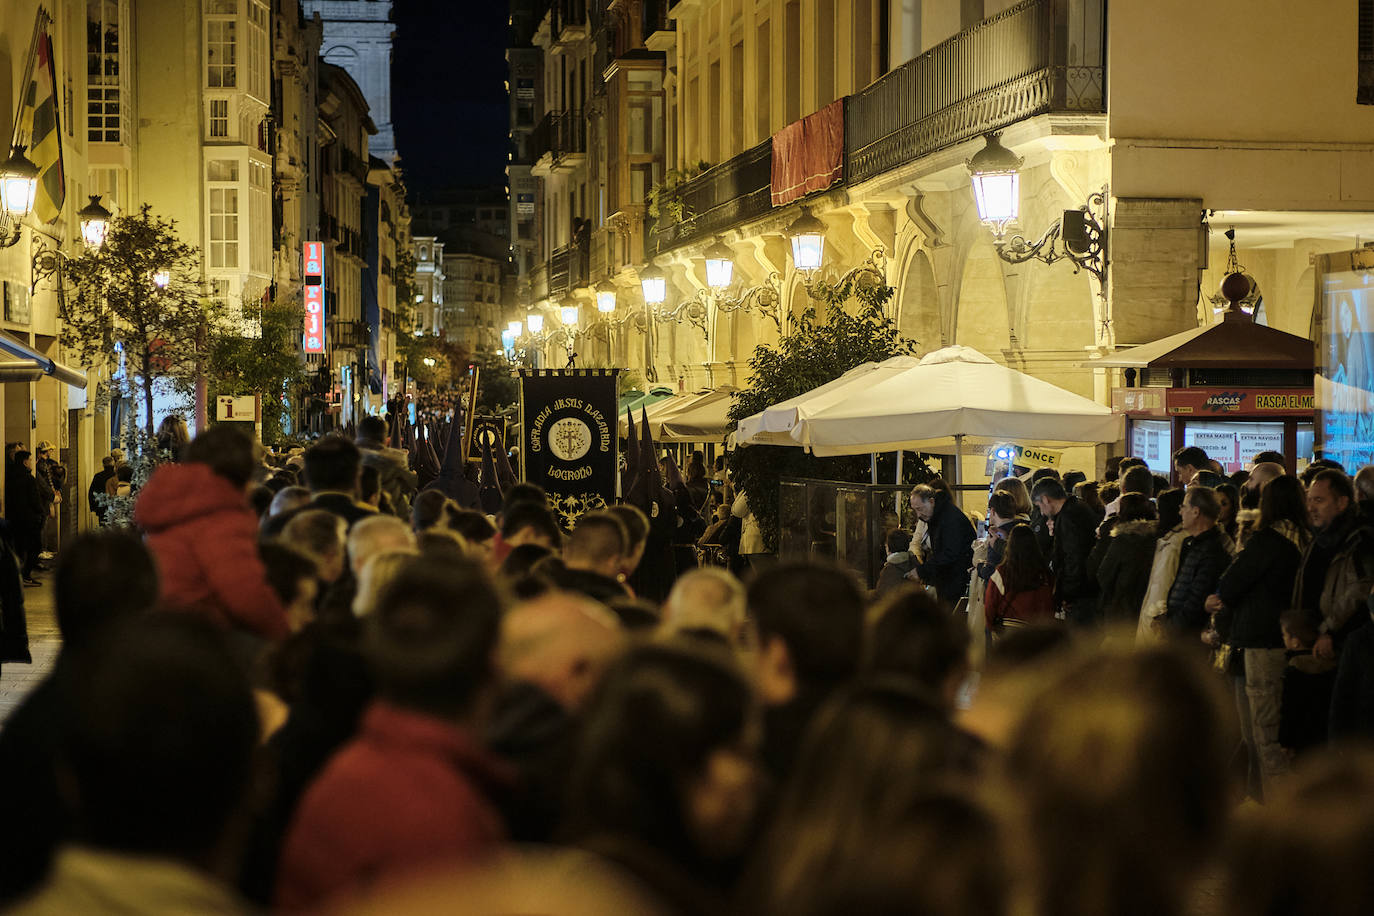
column 429, row 284
column 902, row 95
column 357, row 37
column 345, row 129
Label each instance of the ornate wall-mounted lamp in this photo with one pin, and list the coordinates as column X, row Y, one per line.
column 1079, row 236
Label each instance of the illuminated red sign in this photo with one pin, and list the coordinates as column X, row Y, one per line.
column 314, row 297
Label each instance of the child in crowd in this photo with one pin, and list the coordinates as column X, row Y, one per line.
column 899, row 561
column 1307, row 684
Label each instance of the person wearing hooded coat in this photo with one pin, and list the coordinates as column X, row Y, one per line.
column 1123, row 574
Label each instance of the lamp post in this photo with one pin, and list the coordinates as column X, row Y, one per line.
column 95, row 223
column 1078, row 236
column 18, row 188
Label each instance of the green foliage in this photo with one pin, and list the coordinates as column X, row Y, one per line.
column 405, row 278
column 112, row 304
column 265, row 363
column 662, row 197
column 450, row 359
column 814, row 352
column 497, row 388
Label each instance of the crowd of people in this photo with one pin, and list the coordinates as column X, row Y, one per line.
column 308, row 683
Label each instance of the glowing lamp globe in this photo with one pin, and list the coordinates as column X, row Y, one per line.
column 18, row 184
column 534, row 322
column 654, row 284
column 95, row 223
column 569, row 315
column 995, row 173
column 720, row 266
column 808, row 241
column 605, row 297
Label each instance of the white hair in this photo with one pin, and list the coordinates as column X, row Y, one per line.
column 370, row 536
column 707, row 598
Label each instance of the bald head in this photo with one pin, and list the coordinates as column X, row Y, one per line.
column 560, row 642
column 1262, row 473
column 374, row 535
column 706, row 599
column 1364, row 483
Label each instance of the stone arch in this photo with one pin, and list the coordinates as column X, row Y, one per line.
column 918, row 303
column 341, row 55
column 980, row 319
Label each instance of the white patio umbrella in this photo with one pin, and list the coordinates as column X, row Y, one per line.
column 772, row 425
column 659, row 409
column 954, row 396
column 703, row 420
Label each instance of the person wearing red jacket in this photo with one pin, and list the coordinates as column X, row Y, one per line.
column 1020, row 591
column 199, row 527
column 415, row 789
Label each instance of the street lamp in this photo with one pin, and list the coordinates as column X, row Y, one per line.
column 162, row 278
column 808, row 241
column 605, row 297
column 996, row 175
column 654, row 284
column 534, row 322
column 95, row 223
column 720, row 265
column 514, row 327
column 569, row 315
column 1078, row 235
column 18, row 188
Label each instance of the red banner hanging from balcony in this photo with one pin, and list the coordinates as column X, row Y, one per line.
column 808, row 155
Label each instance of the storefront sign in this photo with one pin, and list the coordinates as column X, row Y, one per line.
column 569, row 444
column 1251, row 401
column 1027, row 456
column 313, row 272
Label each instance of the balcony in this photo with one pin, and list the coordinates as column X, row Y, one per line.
column 348, row 335
column 567, row 270
column 539, row 283
column 569, row 23
column 1038, row 57
column 730, row 193
column 558, row 142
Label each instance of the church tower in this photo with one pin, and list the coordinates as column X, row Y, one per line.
column 357, row 37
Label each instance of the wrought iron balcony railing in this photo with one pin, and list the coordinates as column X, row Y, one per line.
column 559, row 134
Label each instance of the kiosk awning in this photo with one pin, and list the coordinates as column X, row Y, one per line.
column 28, row 361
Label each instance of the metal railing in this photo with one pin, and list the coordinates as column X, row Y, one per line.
column 558, row 134
column 567, row 269
column 1036, row 57
column 736, row 190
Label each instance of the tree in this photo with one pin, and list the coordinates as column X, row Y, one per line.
column 496, row 387
column 118, row 308
column 263, row 363
column 815, row 352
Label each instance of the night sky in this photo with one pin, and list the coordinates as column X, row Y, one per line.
column 448, row 94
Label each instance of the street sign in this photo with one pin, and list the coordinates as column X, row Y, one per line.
column 240, row 407
column 313, row 340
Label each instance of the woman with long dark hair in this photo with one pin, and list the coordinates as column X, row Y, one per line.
column 1252, row 594
column 1020, row 591
column 665, row 784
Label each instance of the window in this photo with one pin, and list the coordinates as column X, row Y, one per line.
column 219, row 117
column 224, row 228
column 259, row 219
column 102, row 71
column 257, row 50
column 221, row 53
